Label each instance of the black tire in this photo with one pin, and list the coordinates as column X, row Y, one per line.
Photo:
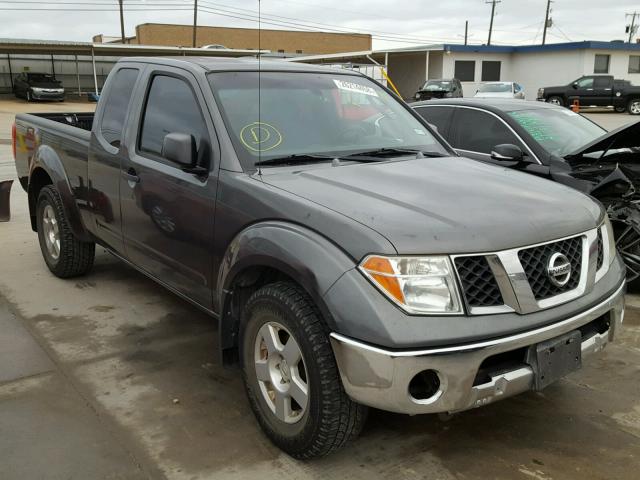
column 620, row 109
column 633, row 107
column 556, row 101
column 75, row 257
column 331, row 418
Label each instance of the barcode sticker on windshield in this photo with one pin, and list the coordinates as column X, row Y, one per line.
column 355, row 87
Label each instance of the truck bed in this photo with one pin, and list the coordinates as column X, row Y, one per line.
column 68, row 134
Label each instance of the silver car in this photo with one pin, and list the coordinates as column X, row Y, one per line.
column 500, row 90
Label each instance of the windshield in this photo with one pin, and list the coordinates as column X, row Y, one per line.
column 494, row 87
column 559, row 131
column 41, row 77
column 437, row 86
column 313, row 113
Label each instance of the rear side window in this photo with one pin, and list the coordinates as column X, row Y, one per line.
column 171, row 108
column 437, row 116
column 479, row 131
column 602, row 82
column 116, row 105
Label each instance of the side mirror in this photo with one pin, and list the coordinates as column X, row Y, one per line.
column 179, row 148
column 575, row 85
column 507, row 153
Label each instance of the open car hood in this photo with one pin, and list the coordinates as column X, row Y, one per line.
column 627, row 136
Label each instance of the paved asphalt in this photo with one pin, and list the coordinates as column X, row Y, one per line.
column 111, row 377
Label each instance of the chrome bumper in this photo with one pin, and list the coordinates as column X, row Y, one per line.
column 380, row 378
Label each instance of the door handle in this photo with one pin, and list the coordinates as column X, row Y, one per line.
column 131, row 176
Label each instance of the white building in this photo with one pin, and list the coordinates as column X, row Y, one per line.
column 532, row 66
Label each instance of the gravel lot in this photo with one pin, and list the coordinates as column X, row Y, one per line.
column 110, row 376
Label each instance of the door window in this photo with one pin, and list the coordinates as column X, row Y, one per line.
column 116, row 105
column 171, row 107
column 585, row 82
column 602, row 82
column 479, row 131
column 437, row 116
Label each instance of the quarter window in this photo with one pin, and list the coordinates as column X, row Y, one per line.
column 465, row 70
column 171, row 108
column 116, row 105
column 479, row 131
column 601, row 64
column 634, row 63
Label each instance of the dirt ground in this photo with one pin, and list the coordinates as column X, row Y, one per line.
column 111, row 376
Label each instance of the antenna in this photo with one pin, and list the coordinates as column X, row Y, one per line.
column 259, row 85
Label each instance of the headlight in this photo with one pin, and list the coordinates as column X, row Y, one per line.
column 608, row 239
column 448, row 94
column 36, row 90
column 540, row 92
column 417, row 284
column 417, row 96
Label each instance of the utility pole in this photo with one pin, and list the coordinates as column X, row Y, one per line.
column 121, row 21
column 466, row 31
column 547, row 22
column 493, row 13
column 633, row 28
column 195, row 22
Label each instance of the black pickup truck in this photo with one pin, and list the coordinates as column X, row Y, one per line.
column 349, row 255
column 595, row 91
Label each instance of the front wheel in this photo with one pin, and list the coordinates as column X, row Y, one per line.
column 64, row 254
column 556, row 101
column 291, row 376
column 634, row 106
column 620, row 109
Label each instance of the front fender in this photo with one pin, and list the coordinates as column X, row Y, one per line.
column 46, row 158
column 310, row 259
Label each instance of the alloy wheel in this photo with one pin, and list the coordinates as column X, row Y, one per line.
column 281, row 372
column 51, row 232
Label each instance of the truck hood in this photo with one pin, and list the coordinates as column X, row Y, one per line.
column 445, row 205
column 627, row 136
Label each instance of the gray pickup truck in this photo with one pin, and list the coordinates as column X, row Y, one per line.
column 349, row 255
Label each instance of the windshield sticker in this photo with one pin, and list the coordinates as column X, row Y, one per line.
column 534, row 126
column 355, row 87
column 260, row 137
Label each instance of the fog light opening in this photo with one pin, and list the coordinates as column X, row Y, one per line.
column 424, row 385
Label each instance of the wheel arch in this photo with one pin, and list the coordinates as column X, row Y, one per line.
column 268, row 252
column 47, row 169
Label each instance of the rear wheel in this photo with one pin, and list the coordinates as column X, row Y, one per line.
column 291, row 376
column 620, row 109
column 556, row 101
column 634, row 106
column 64, row 254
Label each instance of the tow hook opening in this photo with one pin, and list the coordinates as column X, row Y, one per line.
column 424, row 385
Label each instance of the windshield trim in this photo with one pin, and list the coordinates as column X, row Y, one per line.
column 251, row 167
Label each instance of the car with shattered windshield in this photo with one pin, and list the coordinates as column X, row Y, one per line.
column 349, row 256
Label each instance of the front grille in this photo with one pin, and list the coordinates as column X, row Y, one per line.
column 600, row 259
column 535, row 263
column 478, row 283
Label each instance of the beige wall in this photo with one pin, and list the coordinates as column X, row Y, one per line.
column 408, row 72
column 245, row 38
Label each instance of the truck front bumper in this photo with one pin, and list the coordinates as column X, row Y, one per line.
column 463, row 376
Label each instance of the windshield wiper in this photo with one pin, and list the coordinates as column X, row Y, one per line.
column 294, row 159
column 391, row 152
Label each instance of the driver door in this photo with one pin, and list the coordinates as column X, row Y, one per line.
column 168, row 213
